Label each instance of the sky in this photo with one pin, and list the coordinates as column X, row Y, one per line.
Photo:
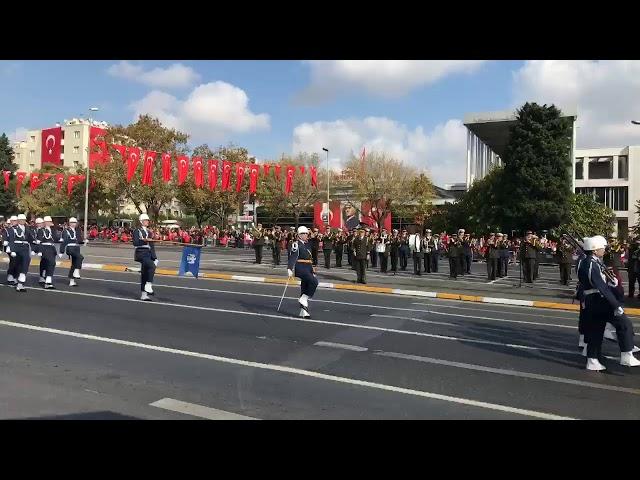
column 410, row 109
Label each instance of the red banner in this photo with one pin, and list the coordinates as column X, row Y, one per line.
column 302, row 169
column 20, row 176
column 370, row 219
column 59, row 181
column 277, row 170
column 7, row 176
column 73, row 179
column 213, row 174
column 183, row 168
column 226, row 175
column 266, row 169
column 198, row 172
column 98, row 152
column 147, row 168
column 314, row 177
column 166, row 167
column 121, row 149
column 51, row 145
column 34, row 181
column 46, row 176
column 253, row 177
column 240, row 167
column 133, row 157
column 289, row 181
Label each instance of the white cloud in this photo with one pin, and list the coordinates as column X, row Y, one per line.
column 176, row 75
column 212, row 111
column 440, row 151
column 386, row 78
column 606, row 94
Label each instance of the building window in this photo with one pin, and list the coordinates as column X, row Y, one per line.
column 33, row 138
column 579, row 168
column 76, row 164
column 616, row 198
column 600, row 167
column 623, row 167
column 31, row 166
column 76, row 150
column 623, row 228
column 76, row 134
column 31, row 153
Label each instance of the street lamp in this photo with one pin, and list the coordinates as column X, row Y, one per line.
column 86, row 189
column 328, row 208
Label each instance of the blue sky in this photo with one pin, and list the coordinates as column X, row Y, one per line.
column 411, row 109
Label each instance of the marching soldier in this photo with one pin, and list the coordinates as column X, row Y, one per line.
column 338, row 247
column 46, row 244
column 360, row 251
column 258, row 242
column 36, row 249
column 20, row 239
column 394, row 247
column 145, row 253
column 71, row 241
column 276, row 239
column 11, row 271
column 415, row 246
column 492, row 257
column 327, row 247
column 455, row 250
column 528, row 255
column 403, row 250
column 633, row 266
column 300, row 265
column 564, row 254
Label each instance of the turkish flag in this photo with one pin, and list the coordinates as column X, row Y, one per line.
column 147, row 167
column 240, row 167
column 266, row 169
column 166, row 167
column 73, row 179
column 335, row 214
column 213, row 173
column 34, row 181
column 226, row 175
column 59, row 181
column 20, row 176
column 277, row 170
column 302, row 169
column 98, row 152
column 7, row 176
column 133, row 157
column 198, row 172
column 51, row 145
column 121, row 150
column 253, row 177
column 289, row 182
column 318, row 207
column 314, row 177
column 183, row 168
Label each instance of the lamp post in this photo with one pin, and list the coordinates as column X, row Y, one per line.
column 328, row 209
column 86, row 190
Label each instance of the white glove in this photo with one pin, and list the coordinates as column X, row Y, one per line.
column 39, row 254
column 619, row 311
column 32, row 253
column 13, row 254
column 59, row 255
column 5, row 243
column 155, row 262
column 614, row 282
column 290, row 272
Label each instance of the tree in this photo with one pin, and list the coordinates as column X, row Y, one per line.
column 420, row 208
column 7, row 197
column 147, row 134
column 536, row 186
column 478, row 210
column 587, row 217
column 45, row 200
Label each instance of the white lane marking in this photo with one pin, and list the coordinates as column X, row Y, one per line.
column 415, row 293
column 513, row 373
column 248, row 279
column 476, row 308
column 197, row 410
column 320, row 322
column 420, row 320
column 295, row 371
column 508, row 301
column 343, row 346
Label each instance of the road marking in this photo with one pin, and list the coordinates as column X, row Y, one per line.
column 414, row 319
column 512, row 373
column 295, row 371
column 508, row 301
column 197, row 410
column 320, row 322
column 475, row 307
column 343, row 346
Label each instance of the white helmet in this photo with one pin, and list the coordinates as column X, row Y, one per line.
column 144, row 216
column 73, row 220
column 13, row 218
column 594, row 243
column 302, row 229
column 47, row 219
column 22, row 216
column 39, row 220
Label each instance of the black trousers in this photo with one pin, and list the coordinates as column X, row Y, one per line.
column 504, row 263
column 536, row 266
column 374, row 258
column 435, row 257
column 565, row 268
column 23, row 259
column 528, row 266
column 468, row 260
column 147, row 268
column 453, row 267
column 349, row 257
column 308, row 281
column 417, row 260
column 633, row 278
column 361, row 271
column 314, row 256
column 492, row 266
column 276, row 255
column 327, row 258
column 597, row 313
column 462, row 265
column 394, row 261
column 427, row 261
column 13, row 269
column 404, row 259
column 258, row 249
column 339, row 251
column 384, row 260
column 76, row 259
column 47, row 261
column 499, row 267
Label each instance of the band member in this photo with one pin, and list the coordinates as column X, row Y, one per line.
column 360, row 250
column 145, row 253
column 20, row 239
column 258, row 242
column 467, row 254
column 415, row 246
column 12, row 274
column 538, row 247
column 382, row 248
column 435, row 254
column 46, row 243
column 349, row 247
column 275, row 237
column 373, row 254
column 314, row 245
column 300, row 265
column 455, row 250
column 564, row 254
column 403, row 250
column 327, row 247
column 394, row 247
column 71, row 241
column 461, row 260
column 428, row 250
column 503, row 257
column 528, row 255
column 492, row 255
column 338, row 247
column 36, row 249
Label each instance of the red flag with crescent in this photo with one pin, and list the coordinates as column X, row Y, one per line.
column 121, row 149
column 266, row 169
column 20, row 176
column 289, row 181
column 253, row 177
column 226, row 175
column 7, row 176
column 98, row 152
column 147, row 168
column 34, row 181
column 277, row 170
column 133, row 157
column 198, row 172
column 73, row 179
column 240, row 167
column 166, row 167
column 314, row 177
column 59, row 181
column 51, row 145
column 302, row 169
column 183, row 168
column 213, row 174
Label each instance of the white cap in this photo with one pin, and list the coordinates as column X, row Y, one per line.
column 73, row 220
column 47, row 219
column 303, row 229
column 144, row 216
column 22, row 216
column 594, row 243
column 13, row 218
column 39, row 220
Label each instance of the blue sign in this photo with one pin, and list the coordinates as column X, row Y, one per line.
column 190, row 261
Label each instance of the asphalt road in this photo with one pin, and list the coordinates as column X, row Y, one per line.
column 220, row 350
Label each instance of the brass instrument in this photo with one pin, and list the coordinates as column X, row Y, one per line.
column 257, row 233
column 575, row 244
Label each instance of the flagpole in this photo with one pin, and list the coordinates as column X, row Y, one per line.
column 328, row 208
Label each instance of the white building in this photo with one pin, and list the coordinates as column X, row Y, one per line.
column 612, row 176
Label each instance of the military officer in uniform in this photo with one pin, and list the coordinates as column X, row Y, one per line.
column 11, row 271
column 300, row 264
column 435, row 257
column 361, row 246
column 429, row 250
column 327, row 247
column 35, row 231
column 633, row 266
column 403, row 250
column 467, row 254
column 455, row 250
column 71, row 241
column 528, row 255
column 145, row 253
column 258, row 242
column 20, row 240
column 47, row 238
column 415, row 246
column 276, row 239
column 338, row 247
column 564, row 254
column 314, row 245
column 394, row 247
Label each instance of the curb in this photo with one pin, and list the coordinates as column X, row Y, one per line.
column 345, row 286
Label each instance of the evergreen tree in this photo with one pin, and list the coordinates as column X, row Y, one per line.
column 7, row 197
